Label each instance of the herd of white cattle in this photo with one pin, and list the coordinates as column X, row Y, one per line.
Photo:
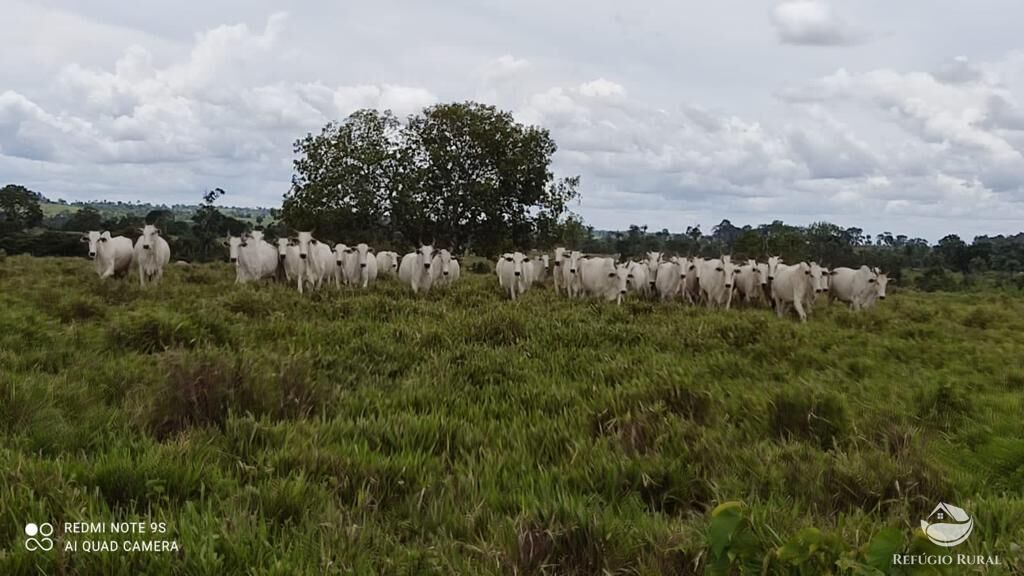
column 716, row 283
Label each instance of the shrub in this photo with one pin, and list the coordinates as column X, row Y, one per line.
column 818, row 417
column 150, row 331
column 197, row 391
column 480, row 267
column 944, row 404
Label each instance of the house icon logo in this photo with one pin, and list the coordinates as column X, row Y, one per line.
column 947, row 525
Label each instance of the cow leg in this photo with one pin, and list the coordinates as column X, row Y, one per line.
column 799, row 305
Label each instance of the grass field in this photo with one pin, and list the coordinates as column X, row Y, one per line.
column 460, row 433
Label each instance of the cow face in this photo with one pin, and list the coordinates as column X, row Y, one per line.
column 559, row 257
column 93, row 238
column 575, row 258
column 653, row 261
column 304, row 241
column 282, row 247
column 517, row 259
column 362, row 253
column 730, row 271
column 444, row 261
column 619, row 277
column 813, row 272
column 773, row 265
column 818, row 277
column 339, row 254
column 881, row 281
column 149, row 235
column 233, row 243
column 425, row 255
column 762, row 273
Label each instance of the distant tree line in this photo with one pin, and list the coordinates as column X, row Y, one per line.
column 197, row 237
column 950, row 264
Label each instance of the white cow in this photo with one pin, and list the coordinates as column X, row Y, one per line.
column 637, row 277
column 344, row 265
column 290, row 261
column 600, row 277
column 233, row 243
column 387, row 263
column 690, row 287
column 859, row 288
column 571, row 274
column 671, row 276
column 113, row 255
column 257, row 258
column 513, row 273
column 793, row 286
column 151, row 255
column 751, row 282
column 354, row 265
column 538, row 268
column 716, row 278
column 415, row 269
column 556, row 275
column 318, row 257
column 445, row 269
column 653, row 262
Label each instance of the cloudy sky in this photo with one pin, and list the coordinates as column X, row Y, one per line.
column 894, row 116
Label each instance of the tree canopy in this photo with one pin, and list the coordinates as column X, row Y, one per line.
column 19, row 208
column 466, row 175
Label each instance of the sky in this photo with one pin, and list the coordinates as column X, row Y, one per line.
column 906, row 117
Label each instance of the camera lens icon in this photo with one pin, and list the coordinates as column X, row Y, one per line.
column 43, row 531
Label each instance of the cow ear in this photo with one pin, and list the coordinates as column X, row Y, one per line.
column 526, row 259
column 83, row 239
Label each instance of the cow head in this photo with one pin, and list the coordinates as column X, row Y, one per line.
column 443, row 260
column 762, row 273
column 729, row 270
column 881, row 281
column 574, row 261
column 559, row 257
column 618, row 277
column 149, row 236
column 653, row 261
column 773, row 265
column 93, row 238
column 425, row 255
column 340, row 250
column 517, row 259
column 232, row 243
column 362, row 253
column 304, row 240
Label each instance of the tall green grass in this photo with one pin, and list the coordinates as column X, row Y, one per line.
column 460, row 433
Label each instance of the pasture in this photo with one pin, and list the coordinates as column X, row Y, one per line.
column 461, row 433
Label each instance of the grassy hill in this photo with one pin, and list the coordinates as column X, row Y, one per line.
column 460, row 433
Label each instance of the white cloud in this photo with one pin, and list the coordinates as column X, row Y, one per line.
column 813, row 23
column 217, row 112
column 672, row 117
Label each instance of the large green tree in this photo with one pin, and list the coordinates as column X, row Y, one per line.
column 19, row 208
column 348, row 177
column 464, row 175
